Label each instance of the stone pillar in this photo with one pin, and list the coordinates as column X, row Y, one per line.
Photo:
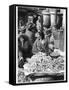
column 46, row 18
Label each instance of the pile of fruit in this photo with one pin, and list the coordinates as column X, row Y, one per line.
column 40, row 63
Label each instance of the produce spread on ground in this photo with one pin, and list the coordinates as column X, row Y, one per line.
column 42, row 64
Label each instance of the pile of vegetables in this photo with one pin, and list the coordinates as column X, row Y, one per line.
column 40, row 63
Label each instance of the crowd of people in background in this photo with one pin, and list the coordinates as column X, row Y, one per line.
column 33, row 38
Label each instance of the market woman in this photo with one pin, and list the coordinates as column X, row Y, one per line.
column 43, row 44
column 40, row 45
column 24, row 49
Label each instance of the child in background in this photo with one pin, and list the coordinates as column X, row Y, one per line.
column 38, row 24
